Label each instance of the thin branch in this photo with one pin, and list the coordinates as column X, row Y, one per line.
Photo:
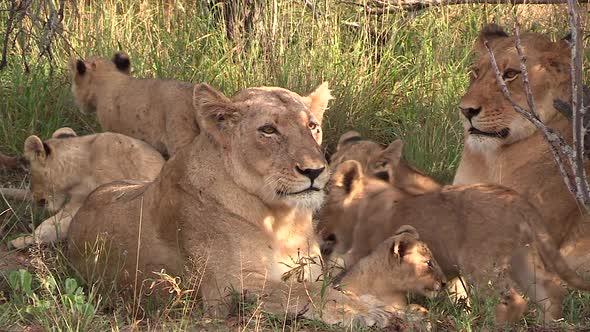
column 315, row 11
column 556, row 142
column 382, row 7
column 578, row 103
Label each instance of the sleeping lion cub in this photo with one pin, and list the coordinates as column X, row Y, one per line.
column 159, row 112
column 487, row 233
column 66, row 168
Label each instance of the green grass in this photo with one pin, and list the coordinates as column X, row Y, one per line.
column 394, row 76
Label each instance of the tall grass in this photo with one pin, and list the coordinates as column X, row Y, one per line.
column 393, row 76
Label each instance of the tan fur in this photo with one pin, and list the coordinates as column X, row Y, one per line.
column 398, row 265
column 232, row 209
column 66, row 168
column 522, row 160
column 373, row 157
column 488, row 233
column 156, row 111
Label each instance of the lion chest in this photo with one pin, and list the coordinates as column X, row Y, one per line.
column 293, row 251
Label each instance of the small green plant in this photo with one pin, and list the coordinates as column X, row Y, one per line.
column 42, row 301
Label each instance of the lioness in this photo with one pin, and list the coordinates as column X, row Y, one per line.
column 233, row 208
column 400, row 264
column 488, row 233
column 66, row 168
column 156, row 111
column 372, row 156
column 503, row 147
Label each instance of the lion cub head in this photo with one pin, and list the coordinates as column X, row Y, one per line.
column 269, row 140
column 488, row 118
column 47, row 169
column 86, row 72
column 400, row 264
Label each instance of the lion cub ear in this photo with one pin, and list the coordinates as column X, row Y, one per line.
column 36, row 149
column 402, row 240
column 317, row 101
column 64, row 132
column 215, row 113
column 347, row 138
column 122, row 62
column 388, row 159
column 348, row 176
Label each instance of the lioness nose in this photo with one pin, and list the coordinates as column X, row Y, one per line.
column 311, row 173
column 470, row 112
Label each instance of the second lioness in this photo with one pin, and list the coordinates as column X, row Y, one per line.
column 481, row 231
column 159, row 112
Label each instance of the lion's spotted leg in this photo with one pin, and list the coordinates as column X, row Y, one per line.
column 541, row 286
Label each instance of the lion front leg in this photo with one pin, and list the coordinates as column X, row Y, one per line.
column 52, row 229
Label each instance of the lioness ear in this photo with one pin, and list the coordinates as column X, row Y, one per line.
column 64, row 132
column 215, row 113
column 348, row 176
column 347, row 138
column 122, row 62
column 318, row 100
column 35, row 149
column 489, row 32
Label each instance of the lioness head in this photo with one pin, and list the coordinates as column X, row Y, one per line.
column 269, row 139
column 411, row 261
column 488, row 118
column 49, row 180
column 87, row 74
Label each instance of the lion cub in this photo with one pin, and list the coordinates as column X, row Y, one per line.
column 67, row 168
column 373, row 157
column 159, row 112
column 400, row 264
column 487, row 233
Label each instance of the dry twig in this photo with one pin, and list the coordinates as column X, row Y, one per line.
column 377, row 7
column 574, row 174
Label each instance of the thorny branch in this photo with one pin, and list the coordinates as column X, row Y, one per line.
column 556, row 142
column 377, row 7
column 41, row 31
column 578, row 104
column 562, row 152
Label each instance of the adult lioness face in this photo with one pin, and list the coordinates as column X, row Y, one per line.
column 488, row 118
column 270, row 140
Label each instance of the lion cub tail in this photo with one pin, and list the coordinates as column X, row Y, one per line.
column 551, row 256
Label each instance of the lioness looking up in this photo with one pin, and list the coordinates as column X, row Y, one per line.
column 66, row 168
column 234, row 209
column 156, row 111
column 487, row 233
column 503, row 147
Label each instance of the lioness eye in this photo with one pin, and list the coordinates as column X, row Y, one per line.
column 510, row 74
column 313, row 125
column 268, row 130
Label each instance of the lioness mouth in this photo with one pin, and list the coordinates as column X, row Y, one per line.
column 282, row 193
column 500, row 134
